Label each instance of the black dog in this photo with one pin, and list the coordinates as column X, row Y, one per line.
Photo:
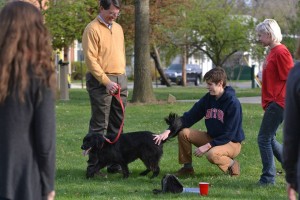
column 128, row 148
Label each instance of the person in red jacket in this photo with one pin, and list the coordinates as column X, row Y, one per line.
column 276, row 68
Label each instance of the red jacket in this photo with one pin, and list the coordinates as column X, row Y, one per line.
column 275, row 72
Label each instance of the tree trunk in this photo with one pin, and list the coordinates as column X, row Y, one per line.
column 155, row 55
column 142, row 90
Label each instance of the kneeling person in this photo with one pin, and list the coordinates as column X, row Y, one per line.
column 221, row 143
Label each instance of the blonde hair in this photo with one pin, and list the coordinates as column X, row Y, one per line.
column 270, row 26
column 25, row 50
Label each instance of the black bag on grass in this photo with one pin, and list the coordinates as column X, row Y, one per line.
column 169, row 183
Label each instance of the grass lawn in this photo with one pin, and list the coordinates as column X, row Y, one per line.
column 72, row 124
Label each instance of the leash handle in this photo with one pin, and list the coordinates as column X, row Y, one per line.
column 118, row 96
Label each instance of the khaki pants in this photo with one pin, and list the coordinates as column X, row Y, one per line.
column 219, row 155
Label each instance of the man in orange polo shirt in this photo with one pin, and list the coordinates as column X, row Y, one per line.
column 104, row 51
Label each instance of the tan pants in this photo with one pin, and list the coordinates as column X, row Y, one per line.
column 219, row 155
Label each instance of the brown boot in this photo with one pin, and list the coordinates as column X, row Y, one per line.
column 185, row 172
column 234, row 170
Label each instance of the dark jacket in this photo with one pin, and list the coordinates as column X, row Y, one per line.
column 27, row 144
column 291, row 139
column 223, row 117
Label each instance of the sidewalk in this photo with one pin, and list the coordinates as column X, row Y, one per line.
column 250, row 100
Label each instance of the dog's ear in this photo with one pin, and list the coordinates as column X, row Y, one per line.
column 86, row 138
column 99, row 141
column 175, row 123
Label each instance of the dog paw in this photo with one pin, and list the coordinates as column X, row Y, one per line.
column 125, row 176
column 103, row 175
column 144, row 173
column 89, row 176
column 153, row 176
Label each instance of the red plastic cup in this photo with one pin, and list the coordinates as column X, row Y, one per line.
column 203, row 187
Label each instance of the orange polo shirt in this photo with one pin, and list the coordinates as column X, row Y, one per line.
column 104, row 50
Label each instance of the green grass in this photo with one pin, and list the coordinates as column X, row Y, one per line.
column 72, row 124
column 182, row 93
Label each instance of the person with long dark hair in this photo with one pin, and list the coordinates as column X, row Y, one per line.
column 27, row 105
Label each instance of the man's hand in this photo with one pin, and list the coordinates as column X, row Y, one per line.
column 159, row 138
column 51, row 195
column 202, row 150
column 112, row 87
column 291, row 192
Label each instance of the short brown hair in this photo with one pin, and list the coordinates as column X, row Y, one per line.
column 216, row 75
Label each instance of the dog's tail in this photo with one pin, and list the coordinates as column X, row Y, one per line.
column 175, row 124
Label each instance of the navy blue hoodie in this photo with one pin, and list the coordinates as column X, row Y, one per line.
column 223, row 117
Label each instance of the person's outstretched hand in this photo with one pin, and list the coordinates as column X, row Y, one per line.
column 202, row 150
column 51, row 195
column 291, row 192
column 161, row 137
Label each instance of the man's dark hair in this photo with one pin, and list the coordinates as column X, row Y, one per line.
column 107, row 3
column 216, row 75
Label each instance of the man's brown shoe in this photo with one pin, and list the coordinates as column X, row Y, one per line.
column 234, row 170
column 185, row 172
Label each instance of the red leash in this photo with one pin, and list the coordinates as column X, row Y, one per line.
column 118, row 96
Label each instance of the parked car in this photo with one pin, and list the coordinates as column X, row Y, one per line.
column 174, row 74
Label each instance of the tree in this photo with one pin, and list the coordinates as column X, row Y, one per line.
column 67, row 19
column 275, row 9
column 143, row 90
column 217, row 32
column 171, row 38
column 2, row 3
column 157, row 40
column 156, row 57
column 290, row 38
column 286, row 13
